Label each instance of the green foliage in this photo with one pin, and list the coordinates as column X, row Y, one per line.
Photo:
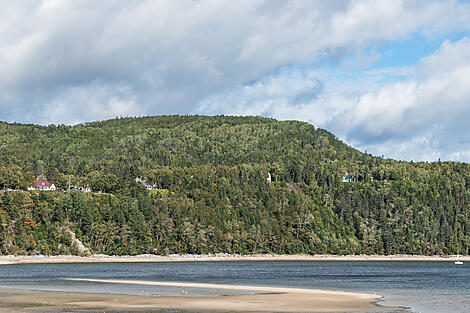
column 160, row 192
column 213, row 191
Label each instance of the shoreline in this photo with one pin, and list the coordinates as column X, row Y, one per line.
column 266, row 299
column 19, row 259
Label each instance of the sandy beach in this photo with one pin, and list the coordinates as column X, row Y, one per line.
column 218, row 257
column 266, row 299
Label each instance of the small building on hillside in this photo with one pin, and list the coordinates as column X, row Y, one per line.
column 347, row 178
column 42, row 185
column 79, row 188
column 147, row 185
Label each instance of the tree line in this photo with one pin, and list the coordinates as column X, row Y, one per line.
column 213, row 195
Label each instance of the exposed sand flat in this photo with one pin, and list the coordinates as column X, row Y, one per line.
column 274, row 300
column 220, row 257
column 264, row 289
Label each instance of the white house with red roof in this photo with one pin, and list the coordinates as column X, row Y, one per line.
column 42, row 185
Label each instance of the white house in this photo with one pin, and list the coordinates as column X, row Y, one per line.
column 42, row 185
column 81, row 189
column 146, row 184
column 347, row 178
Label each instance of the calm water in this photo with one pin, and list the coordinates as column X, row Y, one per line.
column 427, row 287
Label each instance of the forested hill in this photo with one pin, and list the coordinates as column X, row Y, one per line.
column 209, row 191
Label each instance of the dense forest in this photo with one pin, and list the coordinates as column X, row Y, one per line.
column 212, row 194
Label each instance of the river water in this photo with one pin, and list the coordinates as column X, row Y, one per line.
column 426, row 287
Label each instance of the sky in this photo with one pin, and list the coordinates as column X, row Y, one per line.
column 388, row 77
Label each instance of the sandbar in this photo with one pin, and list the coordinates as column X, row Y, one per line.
column 267, row 299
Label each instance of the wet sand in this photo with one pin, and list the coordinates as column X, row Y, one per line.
column 218, row 257
column 267, row 299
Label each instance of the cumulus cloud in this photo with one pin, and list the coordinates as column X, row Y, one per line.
column 431, row 107
column 169, row 55
column 96, row 100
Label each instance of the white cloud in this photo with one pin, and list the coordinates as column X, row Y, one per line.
column 422, row 116
column 172, row 54
column 433, row 104
column 97, row 100
column 50, row 5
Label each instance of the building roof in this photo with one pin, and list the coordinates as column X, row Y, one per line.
column 42, row 183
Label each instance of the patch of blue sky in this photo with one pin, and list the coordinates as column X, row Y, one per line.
column 385, row 62
column 455, row 36
column 391, row 61
column 407, row 52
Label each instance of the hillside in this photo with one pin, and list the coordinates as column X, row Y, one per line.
column 212, row 195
